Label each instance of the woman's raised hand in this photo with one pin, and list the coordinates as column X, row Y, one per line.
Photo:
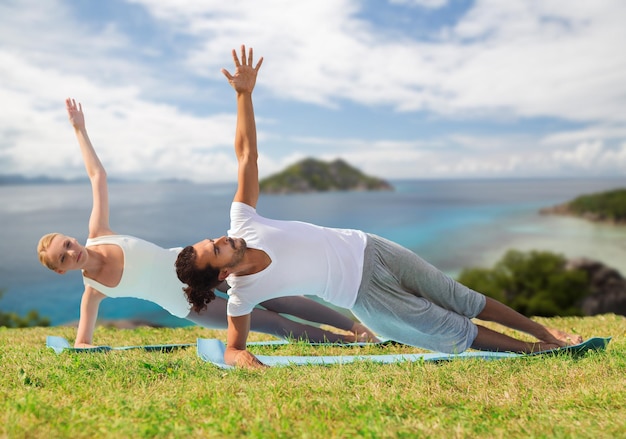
column 75, row 113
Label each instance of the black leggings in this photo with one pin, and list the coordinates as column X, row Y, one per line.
column 270, row 321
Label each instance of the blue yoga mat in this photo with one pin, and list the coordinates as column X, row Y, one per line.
column 212, row 351
column 60, row 344
column 381, row 342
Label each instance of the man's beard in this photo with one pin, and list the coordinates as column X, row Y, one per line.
column 240, row 250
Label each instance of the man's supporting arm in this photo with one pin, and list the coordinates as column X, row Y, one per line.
column 236, row 353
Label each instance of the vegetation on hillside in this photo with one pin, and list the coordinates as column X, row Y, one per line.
column 609, row 205
column 603, row 206
column 311, row 175
column 536, row 283
column 13, row 320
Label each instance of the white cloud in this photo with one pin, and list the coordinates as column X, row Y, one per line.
column 593, row 155
column 135, row 137
column 502, row 61
column 585, row 155
column 464, row 156
column 432, row 4
column 543, row 59
column 129, row 133
column 532, row 58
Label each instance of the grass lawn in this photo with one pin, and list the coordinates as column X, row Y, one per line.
column 150, row 394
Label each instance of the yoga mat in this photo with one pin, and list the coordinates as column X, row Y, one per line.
column 592, row 344
column 60, row 344
column 382, row 342
column 212, row 351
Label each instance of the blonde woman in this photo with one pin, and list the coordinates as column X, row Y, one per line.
column 114, row 265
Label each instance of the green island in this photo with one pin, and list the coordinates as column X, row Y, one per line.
column 312, row 175
column 609, row 206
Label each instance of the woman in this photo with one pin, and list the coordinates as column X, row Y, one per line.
column 125, row 266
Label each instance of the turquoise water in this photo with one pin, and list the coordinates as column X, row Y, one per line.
column 453, row 224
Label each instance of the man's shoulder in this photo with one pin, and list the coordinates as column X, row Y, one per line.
column 241, row 205
column 238, row 208
column 240, row 215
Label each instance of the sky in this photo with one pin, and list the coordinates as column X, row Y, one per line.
column 400, row 89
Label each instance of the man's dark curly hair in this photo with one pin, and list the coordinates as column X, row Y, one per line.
column 200, row 282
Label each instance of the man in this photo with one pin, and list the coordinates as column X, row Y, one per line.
column 389, row 288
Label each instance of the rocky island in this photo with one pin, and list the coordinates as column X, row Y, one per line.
column 606, row 285
column 311, row 175
column 609, row 207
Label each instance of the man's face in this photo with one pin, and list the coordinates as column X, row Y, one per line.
column 223, row 252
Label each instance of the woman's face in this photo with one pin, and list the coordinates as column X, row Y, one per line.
column 66, row 254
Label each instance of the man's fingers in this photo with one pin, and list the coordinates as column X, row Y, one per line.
column 235, row 59
column 244, row 60
column 227, row 74
column 243, row 55
column 258, row 65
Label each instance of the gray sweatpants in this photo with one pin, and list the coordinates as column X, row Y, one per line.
column 404, row 298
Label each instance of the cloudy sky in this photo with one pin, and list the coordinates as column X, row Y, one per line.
column 398, row 88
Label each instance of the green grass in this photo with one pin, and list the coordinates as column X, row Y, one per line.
column 143, row 394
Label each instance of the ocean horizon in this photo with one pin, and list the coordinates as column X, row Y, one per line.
column 453, row 224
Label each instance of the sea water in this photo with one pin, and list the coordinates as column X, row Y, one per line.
column 453, row 224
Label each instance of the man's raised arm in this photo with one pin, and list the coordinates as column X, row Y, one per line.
column 243, row 82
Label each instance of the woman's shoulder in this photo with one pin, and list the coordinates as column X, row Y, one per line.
column 110, row 238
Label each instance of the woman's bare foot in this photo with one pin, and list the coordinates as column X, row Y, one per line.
column 363, row 334
column 353, row 337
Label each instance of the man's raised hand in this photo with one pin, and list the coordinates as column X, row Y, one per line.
column 244, row 79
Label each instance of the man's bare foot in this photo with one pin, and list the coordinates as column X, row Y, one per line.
column 564, row 338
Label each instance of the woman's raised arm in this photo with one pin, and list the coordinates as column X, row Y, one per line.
column 99, row 219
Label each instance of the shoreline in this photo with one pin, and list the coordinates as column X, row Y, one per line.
column 565, row 211
column 573, row 237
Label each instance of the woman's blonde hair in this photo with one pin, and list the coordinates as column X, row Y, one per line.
column 42, row 250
